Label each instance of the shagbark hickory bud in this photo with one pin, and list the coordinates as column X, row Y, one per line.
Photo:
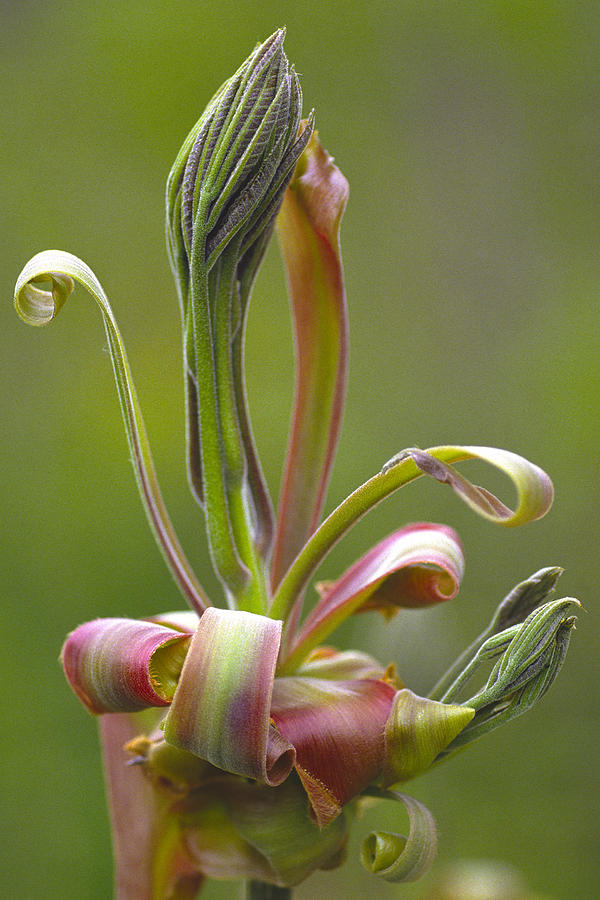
column 223, row 194
column 230, row 175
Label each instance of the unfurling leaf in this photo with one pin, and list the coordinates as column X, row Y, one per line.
column 534, row 498
column 39, row 307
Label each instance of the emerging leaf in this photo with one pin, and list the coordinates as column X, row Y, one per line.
column 515, row 607
column 234, row 166
column 530, row 654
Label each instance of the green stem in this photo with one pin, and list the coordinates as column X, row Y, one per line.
column 263, row 508
column 450, row 684
column 335, row 526
column 227, row 562
column 258, row 890
column 227, row 319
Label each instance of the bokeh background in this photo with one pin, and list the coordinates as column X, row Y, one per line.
column 470, row 135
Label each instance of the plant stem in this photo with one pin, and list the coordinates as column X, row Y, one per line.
column 224, row 552
column 258, row 890
column 227, row 320
column 534, row 497
column 335, row 526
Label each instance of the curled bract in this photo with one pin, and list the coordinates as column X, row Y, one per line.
column 221, row 708
column 416, row 731
column 416, row 566
column 395, row 857
column 38, row 306
column 534, row 487
column 121, row 665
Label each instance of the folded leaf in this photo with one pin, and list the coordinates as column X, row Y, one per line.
column 416, row 566
column 221, row 707
column 283, row 830
column 121, row 665
column 337, row 730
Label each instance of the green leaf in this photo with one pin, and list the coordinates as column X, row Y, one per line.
column 283, row 830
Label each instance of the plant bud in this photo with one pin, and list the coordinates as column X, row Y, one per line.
column 230, row 175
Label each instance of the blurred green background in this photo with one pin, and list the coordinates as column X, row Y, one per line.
column 469, row 132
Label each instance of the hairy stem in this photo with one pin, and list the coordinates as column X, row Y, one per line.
column 258, row 890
